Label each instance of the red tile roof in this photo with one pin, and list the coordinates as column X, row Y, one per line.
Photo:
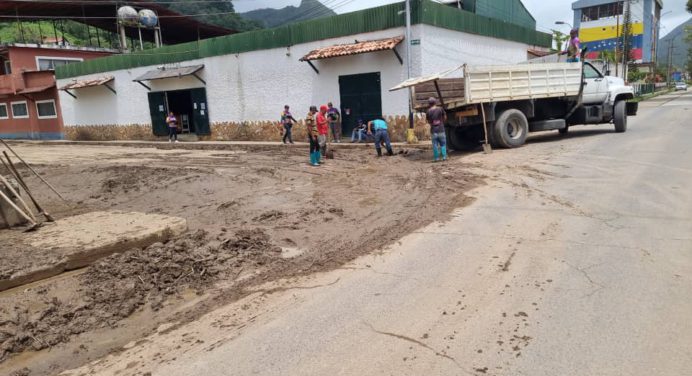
column 88, row 83
column 353, row 48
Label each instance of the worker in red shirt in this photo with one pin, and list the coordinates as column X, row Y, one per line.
column 323, row 131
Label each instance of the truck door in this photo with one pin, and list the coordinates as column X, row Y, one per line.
column 596, row 86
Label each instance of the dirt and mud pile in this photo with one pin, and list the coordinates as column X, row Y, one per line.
column 256, row 215
column 117, row 286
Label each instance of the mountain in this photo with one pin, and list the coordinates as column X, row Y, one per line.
column 229, row 19
column 308, row 9
column 680, row 47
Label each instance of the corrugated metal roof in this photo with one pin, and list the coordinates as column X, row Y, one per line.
column 158, row 74
column 88, row 83
column 353, row 48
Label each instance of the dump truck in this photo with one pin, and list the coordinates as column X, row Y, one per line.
column 502, row 104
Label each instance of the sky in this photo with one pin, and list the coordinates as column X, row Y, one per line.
column 546, row 12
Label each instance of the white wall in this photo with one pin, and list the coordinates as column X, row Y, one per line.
column 256, row 85
column 443, row 49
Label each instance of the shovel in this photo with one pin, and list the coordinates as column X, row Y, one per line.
column 21, row 181
column 487, row 149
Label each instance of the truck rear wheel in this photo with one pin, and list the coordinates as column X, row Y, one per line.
column 620, row 116
column 510, row 129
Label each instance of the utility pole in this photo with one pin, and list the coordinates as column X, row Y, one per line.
column 617, row 37
column 409, row 136
column 670, row 61
column 626, row 36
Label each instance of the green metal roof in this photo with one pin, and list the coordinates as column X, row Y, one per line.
column 364, row 21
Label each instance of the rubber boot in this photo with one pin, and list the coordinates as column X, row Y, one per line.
column 444, row 153
column 318, row 157
column 379, row 152
column 390, row 152
column 312, row 159
column 436, row 156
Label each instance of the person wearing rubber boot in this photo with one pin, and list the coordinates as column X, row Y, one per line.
column 378, row 127
column 323, row 132
column 311, row 125
column 436, row 117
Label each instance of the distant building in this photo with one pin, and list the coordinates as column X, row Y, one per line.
column 601, row 24
column 350, row 59
column 29, row 101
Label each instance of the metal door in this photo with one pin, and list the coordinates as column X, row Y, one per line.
column 361, row 98
column 596, row 89
column 158, row 110
column 200, row 110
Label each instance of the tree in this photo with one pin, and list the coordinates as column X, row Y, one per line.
column 689, row 6
column 559, row 38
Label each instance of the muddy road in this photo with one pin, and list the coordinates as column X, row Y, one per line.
column 573, row 259
column 255, row 215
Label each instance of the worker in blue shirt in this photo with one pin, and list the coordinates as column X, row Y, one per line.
column 378, row 127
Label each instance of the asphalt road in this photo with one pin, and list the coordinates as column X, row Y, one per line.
column 575, row 259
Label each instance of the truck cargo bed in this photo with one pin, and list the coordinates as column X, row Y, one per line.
column 485, row 84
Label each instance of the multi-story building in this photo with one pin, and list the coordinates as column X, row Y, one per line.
column 601, row 24
column 29, row 100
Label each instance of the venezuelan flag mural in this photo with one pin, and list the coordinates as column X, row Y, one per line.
column 607, row 37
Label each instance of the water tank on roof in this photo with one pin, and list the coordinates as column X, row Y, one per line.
column 128, row 16
column 148, row 19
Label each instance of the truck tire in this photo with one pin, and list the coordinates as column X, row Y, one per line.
column 620, row 116
column 460, row 139
column 510, row 129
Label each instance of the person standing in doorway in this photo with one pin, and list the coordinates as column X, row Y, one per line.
column 573, row 47
column 311, row 125
column 323, row 132
column 334, row 122
column 378, row 127
column 172, row 127
column 436, row 117
column 287, row 120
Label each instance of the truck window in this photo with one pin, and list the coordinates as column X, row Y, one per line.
column 590, row 72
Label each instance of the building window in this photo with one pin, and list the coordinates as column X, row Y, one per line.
column 3, row 112
column 46, row 109
column 50, row 63
column 20, row 110
column 601, row 11
column 8, row 67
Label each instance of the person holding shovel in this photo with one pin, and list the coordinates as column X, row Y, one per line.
column 436, row 117
column 311, row 126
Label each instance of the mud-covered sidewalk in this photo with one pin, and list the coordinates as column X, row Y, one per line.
column 255, row 214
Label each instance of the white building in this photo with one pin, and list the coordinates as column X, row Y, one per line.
column 351, row 60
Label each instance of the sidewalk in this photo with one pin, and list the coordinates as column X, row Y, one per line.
column 218, row 145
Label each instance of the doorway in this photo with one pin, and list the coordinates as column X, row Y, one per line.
column 189, row 106
column 361, row 98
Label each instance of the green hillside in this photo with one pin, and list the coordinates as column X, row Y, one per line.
column 77, row 34
column 308, row 9
column 680, row 46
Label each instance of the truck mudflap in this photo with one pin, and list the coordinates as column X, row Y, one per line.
column 632, row 108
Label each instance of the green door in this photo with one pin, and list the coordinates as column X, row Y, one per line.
column 200, row 109
column 158, row 111
column 361, row 98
